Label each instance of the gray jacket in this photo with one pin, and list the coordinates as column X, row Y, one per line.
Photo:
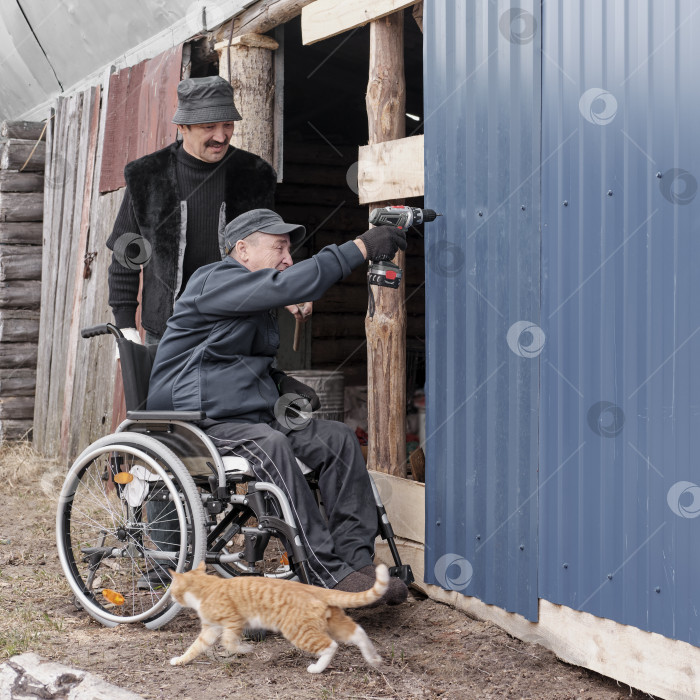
column 220, row 342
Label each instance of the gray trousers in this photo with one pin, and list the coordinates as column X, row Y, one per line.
column 343, row 544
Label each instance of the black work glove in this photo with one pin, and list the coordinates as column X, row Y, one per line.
column 382, row 242
column 288, row 385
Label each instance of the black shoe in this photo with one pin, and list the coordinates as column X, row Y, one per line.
column 153, row 580
column 396, row 593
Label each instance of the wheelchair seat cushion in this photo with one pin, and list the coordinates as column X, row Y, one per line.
column 240, row 465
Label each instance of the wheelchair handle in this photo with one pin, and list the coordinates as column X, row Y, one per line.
column 102, row 329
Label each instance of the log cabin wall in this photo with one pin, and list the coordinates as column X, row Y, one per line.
column 22, row 158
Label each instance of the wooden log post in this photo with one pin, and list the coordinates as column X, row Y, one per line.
column 252, row 76
column 386, row 329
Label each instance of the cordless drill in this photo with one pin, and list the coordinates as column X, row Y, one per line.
column 384, row 273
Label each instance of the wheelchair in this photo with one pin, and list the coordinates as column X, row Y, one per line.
column 157, row 495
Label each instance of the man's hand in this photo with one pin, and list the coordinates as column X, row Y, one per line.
column 382, row 242
column 290, row 385
column 301, row 311
column 130, row 334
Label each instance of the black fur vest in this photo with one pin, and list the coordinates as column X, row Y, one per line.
column 161, row 216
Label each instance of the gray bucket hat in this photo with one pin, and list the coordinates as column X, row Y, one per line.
column 204, row 101
column 264, row 221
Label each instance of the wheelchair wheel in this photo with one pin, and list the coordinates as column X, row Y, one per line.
column 127, row 513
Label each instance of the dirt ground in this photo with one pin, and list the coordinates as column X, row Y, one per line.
column 430, row 650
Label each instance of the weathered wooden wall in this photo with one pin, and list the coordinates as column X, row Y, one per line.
column 74, row 376
column 22, row 155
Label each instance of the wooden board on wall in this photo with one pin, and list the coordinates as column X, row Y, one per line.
column 391, row 170
column 326, row 18
column 143, row 100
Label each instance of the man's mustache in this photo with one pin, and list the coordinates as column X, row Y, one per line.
column 211, row 142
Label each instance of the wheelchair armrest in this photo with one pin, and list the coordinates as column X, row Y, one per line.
column 188, row 416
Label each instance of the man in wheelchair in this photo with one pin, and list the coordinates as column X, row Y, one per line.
column 217, row 356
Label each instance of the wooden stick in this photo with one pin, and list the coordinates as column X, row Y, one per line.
column 297, row 336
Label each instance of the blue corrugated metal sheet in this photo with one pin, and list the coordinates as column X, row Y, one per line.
column 620, row 421
column 482, row 154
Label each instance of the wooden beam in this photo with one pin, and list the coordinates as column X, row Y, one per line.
column 326, row 18
column 391, row 170
column 386, row 327
column 25, row 232
column 22, row 130
column 20, row 262
column 263, row 16
column 17, row 382
column 18, row 326
column 21, row 154
column 21, row 206
column 252, row 78
column 15, row 181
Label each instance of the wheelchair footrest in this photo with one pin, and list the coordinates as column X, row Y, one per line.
column 403, row 572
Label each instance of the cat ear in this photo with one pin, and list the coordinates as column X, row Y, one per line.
column 202, row 566
column 171, row 572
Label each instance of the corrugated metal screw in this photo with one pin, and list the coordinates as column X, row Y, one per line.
column 437, row 522
column 522, row 206
column 522, row 546
column 658, row 589
column 610, row 576
column 565, row 565
column 481, row 213
column 566, row 202
column 659, row 175
column 478, row 537
column 610, row 193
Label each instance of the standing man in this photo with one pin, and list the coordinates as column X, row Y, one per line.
column 177, row 203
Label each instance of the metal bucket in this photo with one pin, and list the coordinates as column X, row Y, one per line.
column 329, row 385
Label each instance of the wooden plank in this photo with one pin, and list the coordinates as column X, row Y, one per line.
column 21, row 130
column 404, row 501
column 15, row 181
column 91, row 122
column 16, row 407
column 92, row 417
column 19, row 326
column 20, row 294
column 51, row 197
column 75, row 152
column 20, row 262
column 21, row 206
column 23, row 154
column 25, row 232
column 57, row 271
column 326, row 18
column 391, row 170
column 259, row 41
column 15, row 430
column 18, row 355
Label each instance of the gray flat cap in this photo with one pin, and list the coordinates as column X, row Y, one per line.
column 263, row 220
column 204, row 101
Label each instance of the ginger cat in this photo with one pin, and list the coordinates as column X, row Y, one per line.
column 309, row 617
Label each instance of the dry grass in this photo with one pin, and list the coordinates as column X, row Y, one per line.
column 28, row 483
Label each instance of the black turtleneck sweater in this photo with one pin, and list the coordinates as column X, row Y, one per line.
column 201, row 185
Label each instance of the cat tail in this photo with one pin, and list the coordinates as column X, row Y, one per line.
column 344, row 599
